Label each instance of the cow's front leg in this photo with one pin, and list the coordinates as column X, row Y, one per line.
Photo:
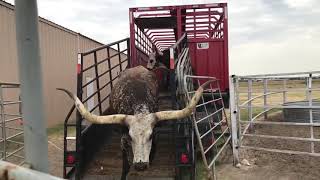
column 125, row 166
column 126, row 156
column 153, row 149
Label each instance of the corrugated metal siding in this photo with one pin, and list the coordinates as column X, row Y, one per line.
column 59, row 56
column 8, row 54
column 59, row 48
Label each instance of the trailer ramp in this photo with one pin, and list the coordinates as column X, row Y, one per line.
column 107, row 161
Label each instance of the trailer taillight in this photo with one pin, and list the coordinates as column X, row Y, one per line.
column 184, row 158
column 78, row 68
column 70, row 159
column 79, row 64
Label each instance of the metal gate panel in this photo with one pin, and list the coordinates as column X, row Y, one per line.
column 210, row 120
column 255, row 100
column 11, row 124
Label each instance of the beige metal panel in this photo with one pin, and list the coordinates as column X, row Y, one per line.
column 87, row 44
column 8, row 53
column 59, row 48
column 59, row 59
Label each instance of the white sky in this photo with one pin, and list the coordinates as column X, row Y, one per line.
column 265, row 36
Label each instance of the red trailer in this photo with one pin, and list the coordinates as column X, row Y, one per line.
column 206, row 26
column 194, row 41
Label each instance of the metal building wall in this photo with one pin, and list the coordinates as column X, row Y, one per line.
column 59, row 48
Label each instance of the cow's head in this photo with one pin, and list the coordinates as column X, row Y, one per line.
column 152, row 60
column 140, row 125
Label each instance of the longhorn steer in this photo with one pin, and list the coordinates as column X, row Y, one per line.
column 134, row 98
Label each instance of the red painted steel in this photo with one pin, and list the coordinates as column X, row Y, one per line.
column 205, row 24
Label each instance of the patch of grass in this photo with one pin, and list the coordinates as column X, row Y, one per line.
column 201, row 172
column 56, row 129
column 296, row 91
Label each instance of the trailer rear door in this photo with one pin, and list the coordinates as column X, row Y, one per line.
column 208, row 59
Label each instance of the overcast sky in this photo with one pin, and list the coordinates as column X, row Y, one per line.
column 266, row 36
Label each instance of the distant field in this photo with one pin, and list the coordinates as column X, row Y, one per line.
column 296, row 91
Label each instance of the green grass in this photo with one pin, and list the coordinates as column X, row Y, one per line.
column 201, row 170
column 255, row 111
column 55, row 129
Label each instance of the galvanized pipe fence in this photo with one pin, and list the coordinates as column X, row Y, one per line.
column 258, row 99
column 9, row 171
column 11, row 137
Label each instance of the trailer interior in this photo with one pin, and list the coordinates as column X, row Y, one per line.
column 196, row 40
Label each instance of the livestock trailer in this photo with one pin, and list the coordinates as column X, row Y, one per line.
column 206, row 26
column 196, row 38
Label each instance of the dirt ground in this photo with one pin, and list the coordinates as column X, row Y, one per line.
column 273, row 166
column 263, row 165
column 55, row 151
column 270, row 166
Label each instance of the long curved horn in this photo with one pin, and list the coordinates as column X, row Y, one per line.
column 187, row 111
column 109, row 119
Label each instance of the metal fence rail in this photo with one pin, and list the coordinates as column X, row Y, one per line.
column 10, row 171
column 254, row 99
column 11, row 137
column 182, row 66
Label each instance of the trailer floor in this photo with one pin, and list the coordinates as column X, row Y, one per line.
column 107, row 162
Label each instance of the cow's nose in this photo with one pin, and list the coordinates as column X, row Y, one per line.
column 140, row 166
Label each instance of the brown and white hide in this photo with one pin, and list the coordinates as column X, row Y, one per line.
column 135, row 92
